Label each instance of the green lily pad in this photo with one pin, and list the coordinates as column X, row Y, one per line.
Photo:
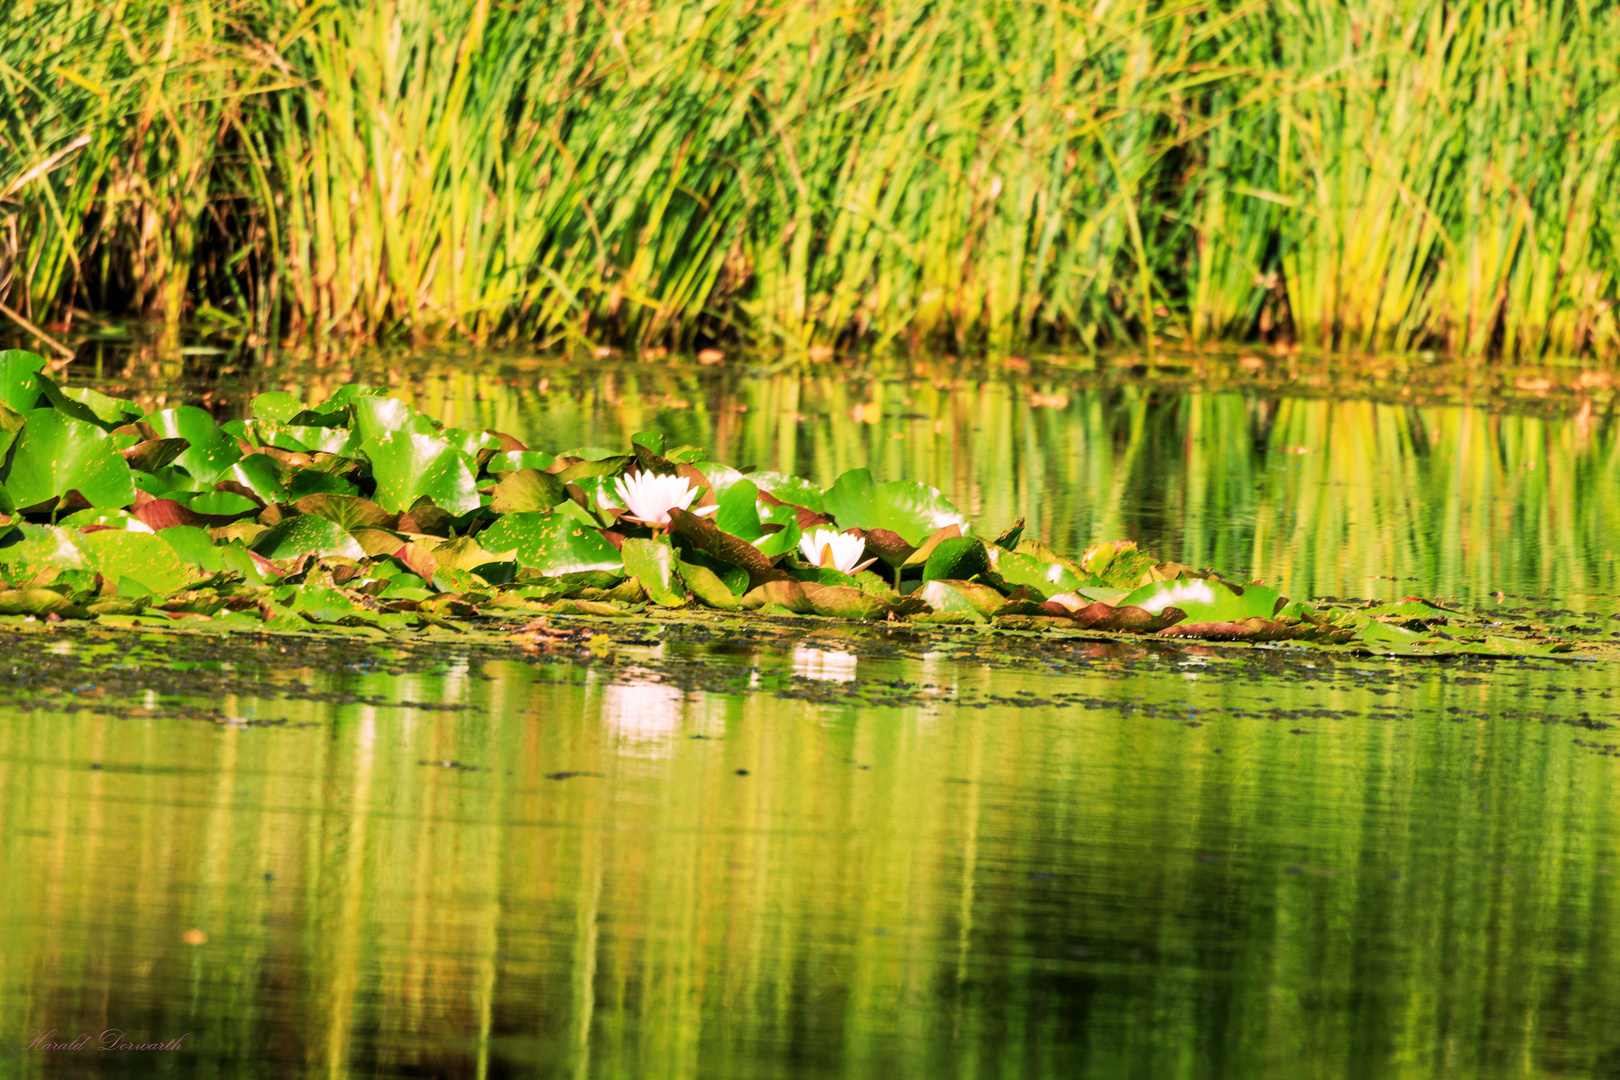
column 552, row 544
column 411, row 466
column 144, row 558
column 54, row 454
column 349, row 512
column 20, row 379
column 739, row 511
column 375, row 416
column 653, row 564
column 950, row 603
column 526, row 490
column 307, row 534
column 707, row 586
column 912, row 509
column 221, row 504
column 512, row 460
column 276, row 405
column 37, row 602
column 792, row 489
column 307, row 482
column 1206, row 601
column 110, row 411
column 260, row 474
column 958, row 558
column 211, row 451
column 1017, row 570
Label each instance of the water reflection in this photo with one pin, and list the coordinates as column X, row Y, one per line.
column 1451, row 494
column 1087, row 867
column 831, row 665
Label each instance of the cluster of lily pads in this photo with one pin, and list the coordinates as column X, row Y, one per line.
column 359, row 511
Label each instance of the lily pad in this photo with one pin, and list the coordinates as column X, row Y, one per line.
column 707, row 586
column 912, row 509
column 958, row 558
column 307, row 534
column 526, row 490
column 54, row 454
column 210, row 452
column 409, row 466
column 1207, row 601
column 552, row 544
column 141, row 557
column 653, row 564
column 20, row 379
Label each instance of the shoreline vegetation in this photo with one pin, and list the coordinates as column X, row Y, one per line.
column 360, row 513
column 964, row 176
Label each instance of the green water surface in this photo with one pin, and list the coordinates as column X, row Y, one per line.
column 802, row 851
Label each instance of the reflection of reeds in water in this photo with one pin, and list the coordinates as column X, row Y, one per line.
column 1045, row 883
column 1321, row 497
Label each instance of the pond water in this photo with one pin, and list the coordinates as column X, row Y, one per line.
column 798, row 850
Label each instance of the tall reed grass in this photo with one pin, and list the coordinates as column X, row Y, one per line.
column 1381, row 174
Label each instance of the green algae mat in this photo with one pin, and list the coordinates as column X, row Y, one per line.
column 360, row 514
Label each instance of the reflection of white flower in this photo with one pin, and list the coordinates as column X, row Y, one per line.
column 1198, row 592
column 650, row 497
column 834, row 550
column 642, row 712
column 828, row 665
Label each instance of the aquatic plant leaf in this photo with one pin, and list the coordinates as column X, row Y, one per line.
column 792, row 490
column 1015, row 569
column 54, row 454
column 512, row 460
column 221, row 504
column 306, row 534
column 919, row 557
column 739, row 510
column 608, row 466
column 908, row 507
column 703, row 535
column 20, row 380
column 527, row 490
column 411, row 466
column 780, row 542
column 707, row 586
column 195, row 547
column 315, row 482
column 373, row 416
column 889, row 546
column 653, row 564
column 260, row 474
column 1207, row 600
column 141, row 557
column 983, row 599
column 110, row 411
column 653, row 441
column 957, row 558
column 210, row 452
column 38, row 602
column 349, row 512
column 276, row 405
column 1248, row 629
column 788, row 595
column 153, row 454
column 322, row 440
column 949, row 604
column 844, row 602
column 552, row 544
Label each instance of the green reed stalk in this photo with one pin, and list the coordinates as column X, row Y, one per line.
column 971, row 173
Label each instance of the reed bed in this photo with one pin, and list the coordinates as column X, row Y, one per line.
column 964, row 174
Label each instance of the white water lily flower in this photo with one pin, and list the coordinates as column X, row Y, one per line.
column 650, row 497
column 834, row 550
